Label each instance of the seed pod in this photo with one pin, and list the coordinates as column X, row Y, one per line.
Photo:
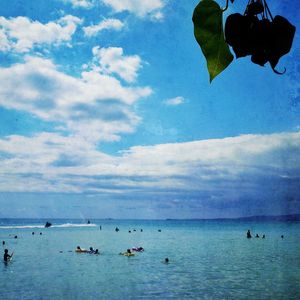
column 254, row 8
column 265, row 40
column 262, row 38
column 284, row 33
column 238, row 33
column 259, row 58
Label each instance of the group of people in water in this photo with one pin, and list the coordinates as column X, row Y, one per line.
column 90, row 251
column 7, row 257
column 129, row 252
column 129, row 231
column 249, row 236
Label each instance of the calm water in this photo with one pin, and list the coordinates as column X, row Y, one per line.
column 208, row 260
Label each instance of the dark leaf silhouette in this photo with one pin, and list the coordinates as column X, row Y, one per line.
column 266, row 40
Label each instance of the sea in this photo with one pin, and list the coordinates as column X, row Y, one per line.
column 208, row 259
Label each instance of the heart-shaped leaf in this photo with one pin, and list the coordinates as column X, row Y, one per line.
column 208, row 30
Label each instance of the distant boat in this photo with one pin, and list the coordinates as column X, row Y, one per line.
column 48, row 224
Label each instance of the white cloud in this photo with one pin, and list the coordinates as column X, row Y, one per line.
column 4, row 43
column 140, row 8
column 233, row 154
column 174, row 101
column 112, row 61
column 112, row 24
column 81, row 3
column 242, row 165
column 20, row 34
column 95, row 105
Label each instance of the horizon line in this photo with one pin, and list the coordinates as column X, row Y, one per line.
column 162, row 219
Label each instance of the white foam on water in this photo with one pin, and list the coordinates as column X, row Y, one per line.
column 21, row 226
column 42, row 226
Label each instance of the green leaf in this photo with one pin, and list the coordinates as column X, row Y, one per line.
column 208, row 30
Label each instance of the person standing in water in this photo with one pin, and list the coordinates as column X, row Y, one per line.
column 249, row 235
column 6, row 256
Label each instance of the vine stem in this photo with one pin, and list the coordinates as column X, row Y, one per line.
column 225, row 8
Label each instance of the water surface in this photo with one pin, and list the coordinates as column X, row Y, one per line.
column 208, row 260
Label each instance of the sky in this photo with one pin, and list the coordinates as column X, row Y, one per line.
column 106, row 111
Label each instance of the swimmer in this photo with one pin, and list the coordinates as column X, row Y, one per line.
column 138, row 249
column 282, row 236
column 249, row 235
column 32, row 233
column 3, row 243
column 6, row 256
column 79, row 250
column 127, row 253
column 96, row 251
column 263, row 236
column 257, row 236
column 166, row 260
column 92, row 251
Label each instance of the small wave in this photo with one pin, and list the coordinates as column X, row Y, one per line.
column 42, row 226
column 21, row 226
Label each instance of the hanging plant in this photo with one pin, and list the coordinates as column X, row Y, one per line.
column 254, row 33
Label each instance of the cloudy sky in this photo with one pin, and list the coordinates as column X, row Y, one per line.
column 106, row 110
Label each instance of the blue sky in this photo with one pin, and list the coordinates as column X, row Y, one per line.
column 106, row 110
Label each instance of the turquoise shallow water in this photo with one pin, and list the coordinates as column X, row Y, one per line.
column 208, row 260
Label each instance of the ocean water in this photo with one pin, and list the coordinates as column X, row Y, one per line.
column 208, row 260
